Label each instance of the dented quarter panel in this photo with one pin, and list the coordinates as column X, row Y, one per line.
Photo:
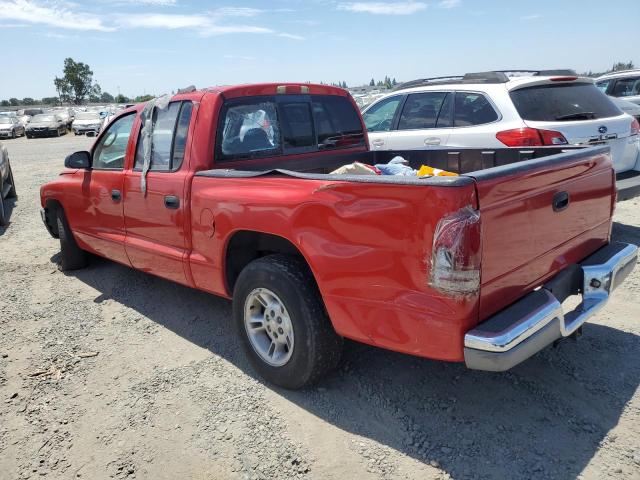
column 367, row 244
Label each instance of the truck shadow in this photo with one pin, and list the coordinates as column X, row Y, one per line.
column 544, row 419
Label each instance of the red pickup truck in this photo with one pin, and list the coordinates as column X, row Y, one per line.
column 229, row 190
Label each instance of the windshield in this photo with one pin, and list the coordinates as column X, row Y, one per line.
column 44, row 118
column 87, row 116
column 4, row 119
column 563, row 102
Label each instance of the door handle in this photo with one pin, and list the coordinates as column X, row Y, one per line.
column 560, row 201
column 432, row 141
column 172, row 202
column 116, row 195
column 377, row 143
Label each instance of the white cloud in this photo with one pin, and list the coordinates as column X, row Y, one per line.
column 237, row 12
column 449, row 3
column 55, row 14
column 383, row 8
column 534, row 16
column 163, row 3
column 290, row 36
column 58, row 13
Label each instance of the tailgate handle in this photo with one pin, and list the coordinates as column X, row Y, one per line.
column 560, row 201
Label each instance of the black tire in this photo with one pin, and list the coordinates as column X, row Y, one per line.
column 12, row 193
column 13, row 134
column 3, row 216
column 72, row 257
column 28, row 136
column 57, row 132
column 317, row 347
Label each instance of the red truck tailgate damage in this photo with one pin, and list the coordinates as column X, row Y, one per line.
column 537, row 218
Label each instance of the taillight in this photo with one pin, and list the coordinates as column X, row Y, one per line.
column 635, row 127
column 531, row 137
column 456, row 252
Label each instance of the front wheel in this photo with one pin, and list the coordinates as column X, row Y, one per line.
column 280, row 317
column 72, row 257
column 13, row 134
column 12, row 191
column 3, row 217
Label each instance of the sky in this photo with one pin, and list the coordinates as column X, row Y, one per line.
column 157, row 46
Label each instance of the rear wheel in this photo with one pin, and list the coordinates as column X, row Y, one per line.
column 72, row 257
column 282, row 322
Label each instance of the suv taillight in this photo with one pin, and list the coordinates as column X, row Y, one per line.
column 531, row 137
column 635, row 127
column 455, row 257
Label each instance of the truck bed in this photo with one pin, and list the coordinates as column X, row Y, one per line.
column 379, row 227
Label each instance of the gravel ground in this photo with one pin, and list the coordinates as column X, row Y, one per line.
column 111, row 373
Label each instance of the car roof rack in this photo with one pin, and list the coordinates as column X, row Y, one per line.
column 541, row 73
column 479, row 77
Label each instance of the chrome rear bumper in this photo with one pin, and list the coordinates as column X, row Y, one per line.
column 538, row 319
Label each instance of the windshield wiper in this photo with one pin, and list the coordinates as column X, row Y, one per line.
column 578, row 116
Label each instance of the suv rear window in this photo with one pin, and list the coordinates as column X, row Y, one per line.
column 563, row 102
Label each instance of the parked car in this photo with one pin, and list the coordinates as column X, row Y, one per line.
column 472, row 267
column 623, row 84
column 85, row 122
column 493, row 110
column 24, row 120
column 46, row 125
column 32, row 111
column 7, row 184
column 66, row 117
column 10, row 127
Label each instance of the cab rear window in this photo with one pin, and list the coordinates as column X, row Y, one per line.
column 563, row 102
column 267, row 126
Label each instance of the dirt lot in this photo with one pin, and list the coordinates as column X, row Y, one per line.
column 169, row 395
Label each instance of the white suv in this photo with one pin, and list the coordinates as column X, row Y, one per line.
column 622, row 84
column 498, row 109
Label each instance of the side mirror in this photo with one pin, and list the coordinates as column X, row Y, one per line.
column 80, row 159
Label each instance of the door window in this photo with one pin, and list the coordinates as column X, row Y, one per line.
column 626, row 87
column 603, row 85
column 379, row 118
column 111, row 149
column 168, row 139
column 180, row 140
column 472, row 109
column 421, row 110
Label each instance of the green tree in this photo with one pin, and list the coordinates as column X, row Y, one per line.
column 76, row 83
column 106, row 97
column 622, row 66
column 14, row 102
column 121, row 99
column 5, row 103
column 50, row 100
column 143, row 98
column 372, row 83
column 95, row 94
column 28, row 101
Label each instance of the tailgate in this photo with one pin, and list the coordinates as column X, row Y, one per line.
column 539, row 216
